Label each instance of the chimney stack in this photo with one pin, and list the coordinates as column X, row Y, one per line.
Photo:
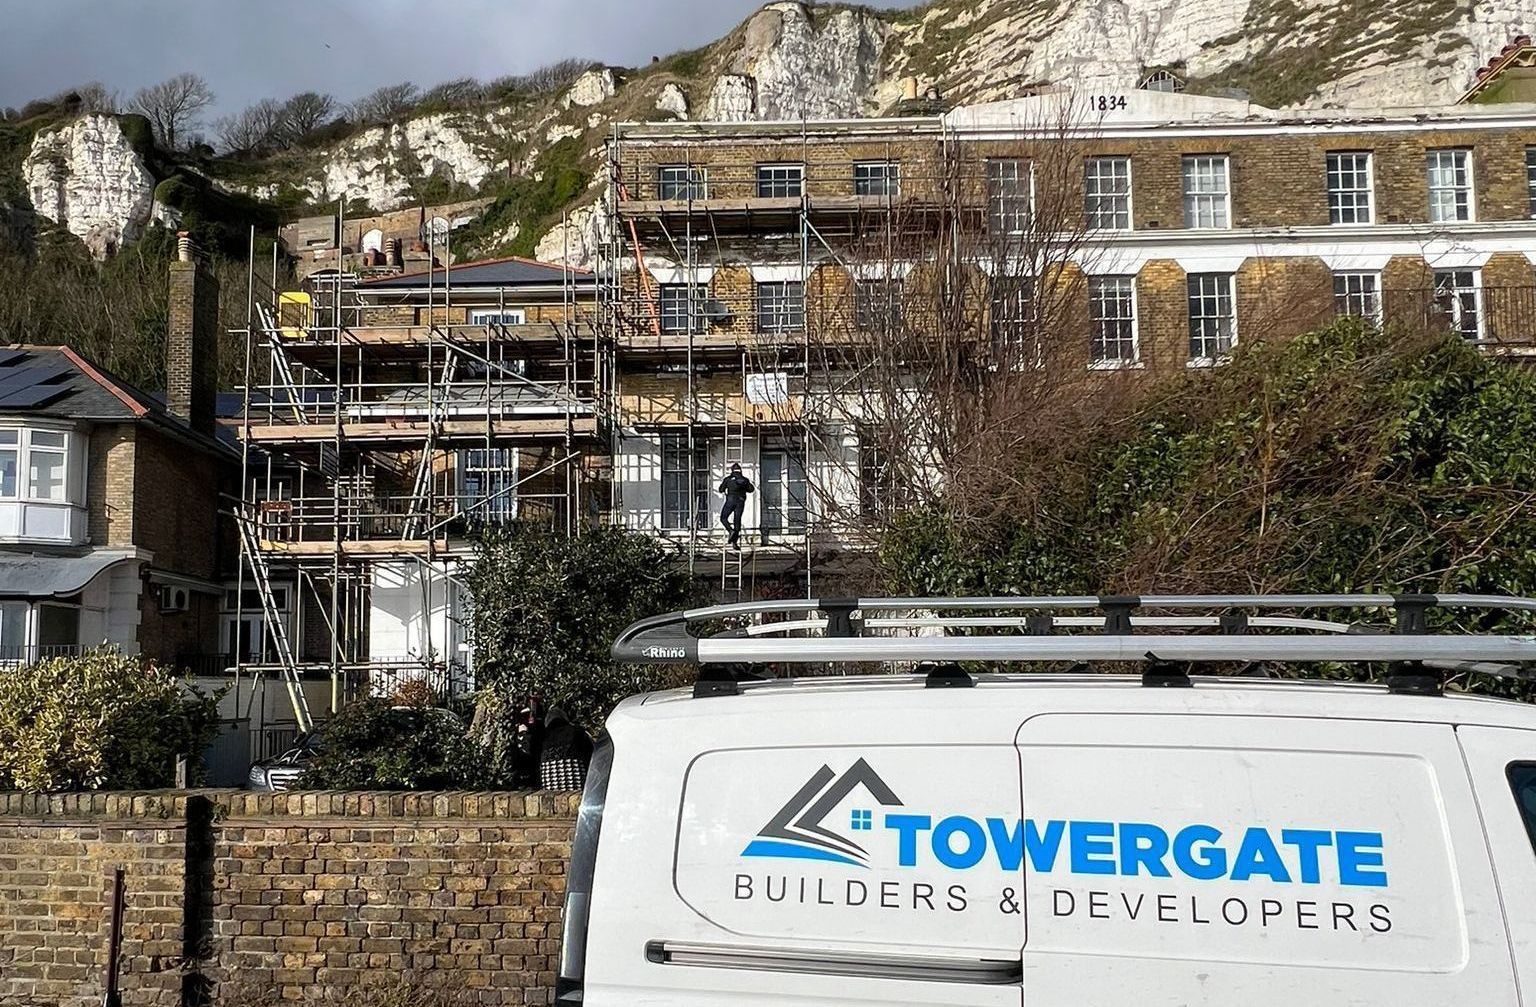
column 909, row 89
column 192, row 343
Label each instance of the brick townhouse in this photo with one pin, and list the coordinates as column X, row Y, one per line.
column 748, row 257
column 746, row 264
column 109, row 497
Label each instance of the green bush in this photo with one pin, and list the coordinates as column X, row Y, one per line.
column 546, row 609
column 1343, row 460
column 100, row 721
column 373, row 745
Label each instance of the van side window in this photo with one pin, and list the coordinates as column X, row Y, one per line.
column 1522, row 777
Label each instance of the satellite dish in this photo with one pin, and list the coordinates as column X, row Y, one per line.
column 718, row 313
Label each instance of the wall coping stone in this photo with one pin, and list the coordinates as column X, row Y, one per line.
column 172, row 805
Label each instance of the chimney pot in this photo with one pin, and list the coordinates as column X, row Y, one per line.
column 183, row 246
column 909, row 88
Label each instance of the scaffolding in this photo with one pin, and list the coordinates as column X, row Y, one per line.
column 378, row 430
column 746, row 372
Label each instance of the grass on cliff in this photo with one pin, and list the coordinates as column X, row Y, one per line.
column 533, row 202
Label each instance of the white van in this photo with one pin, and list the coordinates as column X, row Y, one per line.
column 1052, row 839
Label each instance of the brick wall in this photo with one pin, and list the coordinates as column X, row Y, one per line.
column 109, row 485
column 1276, row 180
column 294, row 895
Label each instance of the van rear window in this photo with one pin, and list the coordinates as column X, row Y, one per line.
column 1522, row 777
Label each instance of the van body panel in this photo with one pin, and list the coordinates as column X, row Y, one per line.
column 816, row 855
column 697, row 782
column 1507, row 816
column 1203, row 858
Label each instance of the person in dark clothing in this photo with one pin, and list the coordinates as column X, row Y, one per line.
column 735, row 488
column 564, row 755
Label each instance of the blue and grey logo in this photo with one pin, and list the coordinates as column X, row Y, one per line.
column 799, row 830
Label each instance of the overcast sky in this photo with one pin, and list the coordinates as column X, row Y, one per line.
column 250, row 49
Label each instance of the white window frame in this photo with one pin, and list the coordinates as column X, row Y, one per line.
column 1478, row 307
column 24, row 449
column 673, row 444
column 1460, row 162
column 1117, row 363
column 1530, row 180
column 498, row 316
column 782, row 293
column 882, row 177
column 1341, row 301
column 1195, row 198
column 879, row 303
column 1228, row 280
column 692, row 182
column 1330, row 171
column 1004, row 215
column 500, row 465
column 1093, row 198
column 11, row 445
column 780, row 174
column 692, row 317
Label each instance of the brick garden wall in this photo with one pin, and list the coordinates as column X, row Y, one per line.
column 281, row 896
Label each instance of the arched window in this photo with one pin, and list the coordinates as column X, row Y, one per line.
column 373, row 241
column 1162, row 80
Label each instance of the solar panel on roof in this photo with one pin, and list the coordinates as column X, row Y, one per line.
column 25, row 377
column 10, row 357
column 31, row 398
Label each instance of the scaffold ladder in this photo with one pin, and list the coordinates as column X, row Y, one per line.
column 735, row 440
column 281, row 370
column 275, row 627
column 437, row 410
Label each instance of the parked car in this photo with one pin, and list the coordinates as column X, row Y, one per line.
column 281, row 771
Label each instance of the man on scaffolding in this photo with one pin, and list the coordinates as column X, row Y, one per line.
column 734, row 488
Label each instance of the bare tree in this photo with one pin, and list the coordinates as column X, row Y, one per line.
column 174, row 107
column 385, row 104
column 254, row 129
column 461, row 93
column 544, row 80
column 305, row 112
column 97, row 97
column 951, row 339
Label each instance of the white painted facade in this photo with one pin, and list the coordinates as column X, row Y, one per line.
column 417, row 614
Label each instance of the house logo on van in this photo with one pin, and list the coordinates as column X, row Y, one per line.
column 798, row 831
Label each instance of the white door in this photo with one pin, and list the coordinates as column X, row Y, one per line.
column 1174, row 861
column 1502, row 762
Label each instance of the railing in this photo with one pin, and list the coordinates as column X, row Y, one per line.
column 465, row 399
column 206, row 665
column 1494, row 317
column 29, row 654
column 319, row 519
column 914, row 176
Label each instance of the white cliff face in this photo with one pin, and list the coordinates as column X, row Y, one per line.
column 791, row 68
column 87, row 177
column 377, row 165
column 577, row 241
column 1412, row 52
column 592, row 88
column 732, row 99
column 672, row 101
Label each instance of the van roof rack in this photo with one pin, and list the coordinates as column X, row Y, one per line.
column 1160, row 632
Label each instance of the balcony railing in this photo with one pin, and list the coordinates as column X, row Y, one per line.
column 1496, row 318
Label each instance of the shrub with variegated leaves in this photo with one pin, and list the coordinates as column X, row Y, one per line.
column 98, row 721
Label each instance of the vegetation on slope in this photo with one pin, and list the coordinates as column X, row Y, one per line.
column 1345, row 460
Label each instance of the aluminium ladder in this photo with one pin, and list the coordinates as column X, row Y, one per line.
column 275, row 626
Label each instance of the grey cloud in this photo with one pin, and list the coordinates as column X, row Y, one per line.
column 251, row 49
